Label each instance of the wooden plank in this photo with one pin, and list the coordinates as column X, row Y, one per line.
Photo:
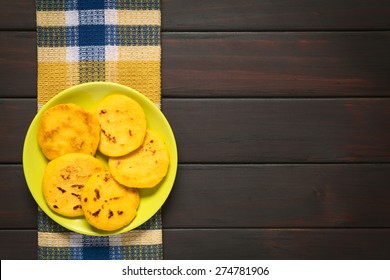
column 231, row 15
column 280, row 130
column 18, row 208
column 251, row 130
column 234, row 196
column 294, row 64
column 17, row 15
column 278, row 244
column 248, row 15
column 18, row 66
column 284, row 64
column 16, row 116
column 272, row 244
column 18, row 244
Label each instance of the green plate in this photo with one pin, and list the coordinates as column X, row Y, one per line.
column 87, row 96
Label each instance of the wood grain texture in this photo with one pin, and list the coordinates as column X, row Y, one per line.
column 279, row 244
column 247, row 196
column 228, row 15
column 18, row 64
column 251, row 130
column 291, row 64
column 18, row 208
column 17, row 15
column 16, row 116
column 248, row 15
column 18, row 244
column 279, row 196
column 242, row 244
column 280, row 130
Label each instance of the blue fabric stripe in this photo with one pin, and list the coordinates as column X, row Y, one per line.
column 72, row 36
column 76, row 253
column 116, row 253
column 100, row 241
column 96, row 247
column 92, row 17
column 112, row 35
column 51, row 36
column 92, row 35
column 54, row 253
column 46, row 224
column 53, row 5
column 71, row 5
column 92, row 53
column 132, row 4
column 137, row 35
column 142, row 252
column 91, row 4
column 96, row 253
column 153, row 223
column 98, row 35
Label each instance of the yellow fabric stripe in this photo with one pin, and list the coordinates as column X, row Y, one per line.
column 137, row 237
column 54, row 239
column 53, row 18
column 112, row 53
column 133, row 17
column 136, row 53
column 54, row 77
column 52, row 54
column 143, row 76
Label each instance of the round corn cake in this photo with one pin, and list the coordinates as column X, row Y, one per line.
column 144, row 167
column 123, row 125
column 107, row 204
column 68, row 128
column 63, row 180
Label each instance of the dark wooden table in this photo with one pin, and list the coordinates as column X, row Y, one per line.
column 281, row 111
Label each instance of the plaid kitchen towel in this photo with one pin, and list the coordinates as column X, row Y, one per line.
column 83, row 41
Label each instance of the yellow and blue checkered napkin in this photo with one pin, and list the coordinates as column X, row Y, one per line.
column 83, row 41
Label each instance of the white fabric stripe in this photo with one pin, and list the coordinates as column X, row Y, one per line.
column 76, row 240
column 71, row 17
column 70, row 239
column 112, row 53
column 72, row 55
column 115, row 240
column 111, row 17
